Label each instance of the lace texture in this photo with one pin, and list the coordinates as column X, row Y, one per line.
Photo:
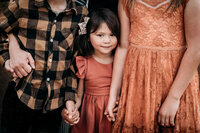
column 157, row 45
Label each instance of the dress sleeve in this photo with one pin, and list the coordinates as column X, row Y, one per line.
column 81, row 64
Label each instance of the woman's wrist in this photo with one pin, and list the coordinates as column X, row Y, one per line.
column 174, row 95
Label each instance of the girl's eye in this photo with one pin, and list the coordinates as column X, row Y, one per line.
column 99, row 35
column 112, row 35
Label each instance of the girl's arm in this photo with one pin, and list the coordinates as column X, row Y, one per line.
column 188, row 66
column 79, row 94
column 70, row 114
column 119, row 60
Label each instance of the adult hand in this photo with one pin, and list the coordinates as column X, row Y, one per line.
column 20, row 61
column 167, row 112
column 70, row 113
column 111, row 109
column 9, row 69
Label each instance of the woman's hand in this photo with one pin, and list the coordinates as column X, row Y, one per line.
column 168, row 110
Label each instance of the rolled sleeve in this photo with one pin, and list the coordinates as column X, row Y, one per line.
column 71, row 85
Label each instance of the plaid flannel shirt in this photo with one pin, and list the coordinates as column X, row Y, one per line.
column 48, row 37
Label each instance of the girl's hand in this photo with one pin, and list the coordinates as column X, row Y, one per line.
column 70, row 113
column 78, row 103
column 111, row 109
column 167, row 113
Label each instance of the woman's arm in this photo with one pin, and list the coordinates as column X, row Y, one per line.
column 188, row 66
column 119, row 59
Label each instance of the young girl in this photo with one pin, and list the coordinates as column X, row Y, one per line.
column 96, row 47
column 160, row 91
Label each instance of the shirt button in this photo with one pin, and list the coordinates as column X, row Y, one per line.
column 48, row 79
column 50, row 60
column 55, row 21
column 51, row 40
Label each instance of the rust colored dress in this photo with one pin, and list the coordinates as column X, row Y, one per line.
column 97, row 79
column 157, row 45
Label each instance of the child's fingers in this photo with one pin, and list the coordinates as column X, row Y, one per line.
column 106, row 112
column 115, row 110
column 109, row 118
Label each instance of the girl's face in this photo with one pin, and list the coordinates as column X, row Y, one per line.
column 103, row 40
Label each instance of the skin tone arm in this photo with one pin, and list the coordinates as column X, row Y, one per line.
column 119, row 60
column 74, row 119
column 21, row 62
column 188, row 66
column 79, row 94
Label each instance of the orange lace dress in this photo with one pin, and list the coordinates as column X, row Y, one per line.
column 157, row 45
column 97, row 79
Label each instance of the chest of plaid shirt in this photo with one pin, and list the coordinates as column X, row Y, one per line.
column 49, row 38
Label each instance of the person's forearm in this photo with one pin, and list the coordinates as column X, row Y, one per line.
column 13, row 44
column 191, row 58
column 80, row 89
column 187, row 69
column 118, row 67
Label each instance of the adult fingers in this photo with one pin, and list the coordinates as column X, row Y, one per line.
column 27, row 68
column 171, row 120
column 20, row 72
column 115, row 109
column 7, row 66
column 167, row 122
column 14, row 75
column 161, row 120
column 31, row 60
column 111, row 115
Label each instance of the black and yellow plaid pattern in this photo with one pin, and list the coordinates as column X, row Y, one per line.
column 49, row 38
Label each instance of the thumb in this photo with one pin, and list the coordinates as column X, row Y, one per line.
column 7, row 66
column 31, row 60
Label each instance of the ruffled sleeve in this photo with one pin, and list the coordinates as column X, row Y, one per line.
column 81, row 64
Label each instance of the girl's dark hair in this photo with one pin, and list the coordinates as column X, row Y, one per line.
column 97, row 17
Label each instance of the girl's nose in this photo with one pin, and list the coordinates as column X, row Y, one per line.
column 107, row 39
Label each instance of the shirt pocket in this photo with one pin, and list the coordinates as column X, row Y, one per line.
column 68, row 31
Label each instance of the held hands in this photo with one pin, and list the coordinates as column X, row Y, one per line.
column 167, row 113
column 70, row 114
column 112, row 109
column 21, row 62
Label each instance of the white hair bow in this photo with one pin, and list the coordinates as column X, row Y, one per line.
column 82, row 26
